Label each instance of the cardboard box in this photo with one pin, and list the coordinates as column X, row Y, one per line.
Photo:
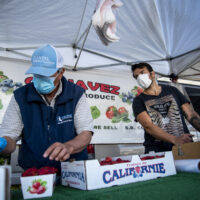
column 38, row 186
column 5, row 182
column 89, row 175
column 186, row 151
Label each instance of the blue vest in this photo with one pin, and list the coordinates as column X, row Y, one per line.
column 44, row 125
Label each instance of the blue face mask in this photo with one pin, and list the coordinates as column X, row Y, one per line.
column 44, row 85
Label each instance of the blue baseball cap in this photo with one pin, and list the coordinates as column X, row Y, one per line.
column 46, row 61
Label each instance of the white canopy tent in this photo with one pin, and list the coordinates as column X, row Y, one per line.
column 165, row 34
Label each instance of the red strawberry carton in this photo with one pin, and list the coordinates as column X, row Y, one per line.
column 94, row 174
column 38, row 183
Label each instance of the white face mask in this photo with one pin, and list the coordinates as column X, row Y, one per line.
column 144, row 81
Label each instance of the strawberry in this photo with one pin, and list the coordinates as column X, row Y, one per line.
column 90, row 148
column 33, row 191
column 119, row 160
column 108, row 159
column 36, row 185
column 41, row 189
column 148, row 158
column 47, row 170
column 137, row 169
column 30, row 172
column 159, row 156
column 44, row 170
column 103, row 162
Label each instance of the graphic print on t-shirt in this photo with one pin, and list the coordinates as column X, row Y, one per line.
column 164, row 113
column 162, row 108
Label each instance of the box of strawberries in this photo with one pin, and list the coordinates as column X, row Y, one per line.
column 110, row 171
column 38, row 183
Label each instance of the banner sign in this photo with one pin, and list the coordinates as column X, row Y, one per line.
column 110, row 96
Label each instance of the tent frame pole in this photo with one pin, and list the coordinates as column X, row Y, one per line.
column 76, row 41
column 81, row 49
column 30, row 47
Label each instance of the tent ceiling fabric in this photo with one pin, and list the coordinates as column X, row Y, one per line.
column 164, row 33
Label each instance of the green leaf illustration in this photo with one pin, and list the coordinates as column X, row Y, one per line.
column 116, row 119
column 43, row 183
column 29, row 188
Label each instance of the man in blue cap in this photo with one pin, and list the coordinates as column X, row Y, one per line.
column 51, row 115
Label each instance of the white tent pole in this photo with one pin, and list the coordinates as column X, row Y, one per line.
column 82, row 46
column 99, row 66
column 19, row 53
column 102, row 55
column 76, row 38
column 76, row 43
column 195, row 69
column 15, row 59
column 183, row 76
column 183, row 54
column 31, row 47
column 189, row 66
column 146, row 61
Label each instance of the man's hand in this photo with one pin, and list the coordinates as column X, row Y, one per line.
column 144, row 119
column 182, row 139
column 3, row 143
column 62, row 151
column 59, row 151
column 7, row 145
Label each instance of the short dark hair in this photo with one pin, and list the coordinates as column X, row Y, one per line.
column 140, row 66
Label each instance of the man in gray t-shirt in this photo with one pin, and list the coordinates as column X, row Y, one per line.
column 161, row 111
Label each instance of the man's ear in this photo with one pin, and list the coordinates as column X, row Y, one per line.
column 62, row 71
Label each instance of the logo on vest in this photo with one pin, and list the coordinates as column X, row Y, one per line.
column 64, row 119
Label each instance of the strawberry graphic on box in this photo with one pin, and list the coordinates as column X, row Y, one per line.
column 37, row 183
column 137, row 172
column 38, row 187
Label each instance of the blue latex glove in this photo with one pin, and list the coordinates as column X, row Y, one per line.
column 3, row 143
